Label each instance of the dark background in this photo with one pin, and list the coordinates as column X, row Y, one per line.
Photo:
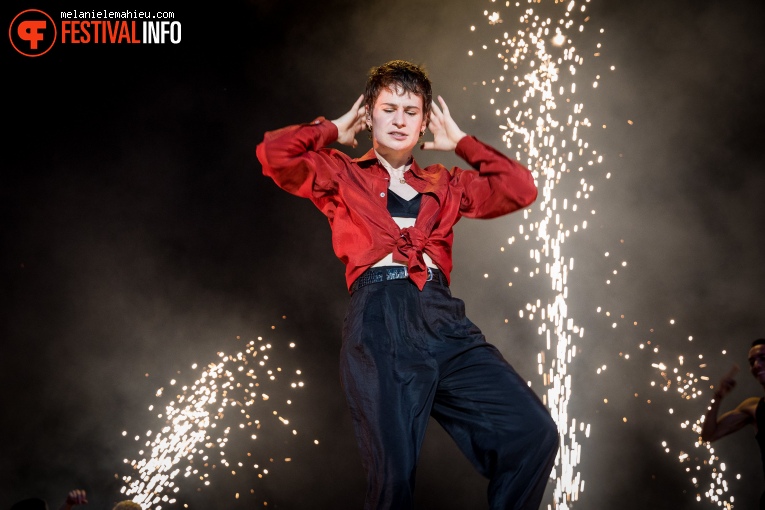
column 139, row 237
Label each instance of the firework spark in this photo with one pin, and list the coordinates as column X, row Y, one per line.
column 536, row 95
column 543, row 120
column 678, row 386
column 211, row 423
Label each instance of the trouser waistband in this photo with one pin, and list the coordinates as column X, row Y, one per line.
column 385, row 273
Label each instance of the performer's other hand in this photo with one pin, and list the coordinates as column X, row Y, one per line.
column 445, row 131
column 727, row 383
column 351, row 123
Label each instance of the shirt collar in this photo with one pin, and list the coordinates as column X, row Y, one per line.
column 430, row 180
column 434, row 177
column 371, row 158
column 367, row 159
column 389, row 167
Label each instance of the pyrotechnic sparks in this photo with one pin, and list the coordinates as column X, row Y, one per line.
column 682, row 386
column 211, row 422
column 542, row 113
column 535, row 96
column 679, row 389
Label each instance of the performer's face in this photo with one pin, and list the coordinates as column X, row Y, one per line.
column 397, row 121
column 757, row 362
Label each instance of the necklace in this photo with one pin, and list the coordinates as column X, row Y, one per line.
column 397, row 173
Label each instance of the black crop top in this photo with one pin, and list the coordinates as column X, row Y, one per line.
column 400, row 208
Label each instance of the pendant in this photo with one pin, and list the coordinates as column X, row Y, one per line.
column 402, row 180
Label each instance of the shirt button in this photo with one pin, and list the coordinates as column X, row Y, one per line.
column 382, row 194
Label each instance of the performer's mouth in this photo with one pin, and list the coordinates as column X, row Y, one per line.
column 398, row 135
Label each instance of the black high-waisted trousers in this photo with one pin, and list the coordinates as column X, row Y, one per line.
column 407, row 355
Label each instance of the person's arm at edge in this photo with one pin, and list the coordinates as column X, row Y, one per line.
column 715, row 428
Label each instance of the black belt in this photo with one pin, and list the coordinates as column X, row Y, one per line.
column 382, row 274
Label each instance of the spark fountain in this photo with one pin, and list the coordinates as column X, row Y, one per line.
column 679, row 383
column 542, row 117
column 211, row 423
column 543, row 120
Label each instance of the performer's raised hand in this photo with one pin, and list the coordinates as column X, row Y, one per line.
column 445, row 131
column 351, row 123
column 727, row 383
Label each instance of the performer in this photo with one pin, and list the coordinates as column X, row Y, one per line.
column 749, row 412
column 409, row 351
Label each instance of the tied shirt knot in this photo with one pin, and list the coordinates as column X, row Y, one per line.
column 409, row 250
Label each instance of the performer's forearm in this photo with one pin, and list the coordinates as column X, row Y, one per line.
column 710, row 419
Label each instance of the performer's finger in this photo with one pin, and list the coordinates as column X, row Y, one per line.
column 732, row 372
column 434, row 107
column 435, row 121
column 443, row 105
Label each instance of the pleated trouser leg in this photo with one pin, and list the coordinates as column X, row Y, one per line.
column 408, row 354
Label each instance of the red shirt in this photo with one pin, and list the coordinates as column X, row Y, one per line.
column 352, row 194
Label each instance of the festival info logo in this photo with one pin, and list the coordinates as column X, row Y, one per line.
column 32, row 33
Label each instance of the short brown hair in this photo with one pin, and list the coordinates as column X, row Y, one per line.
column 410, row 77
